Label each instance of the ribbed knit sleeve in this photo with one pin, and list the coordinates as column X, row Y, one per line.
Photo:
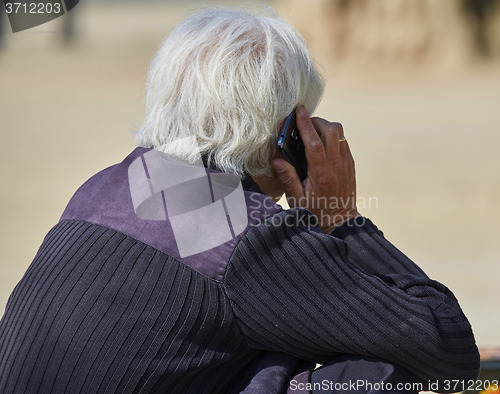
column 313, row 295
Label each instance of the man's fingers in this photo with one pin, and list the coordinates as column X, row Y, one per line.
column 330, row 135
column 288, row 178
column 343, row 146
column 315, row 150
column 347, row 149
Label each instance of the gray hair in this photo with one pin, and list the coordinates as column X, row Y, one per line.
column 229, row 78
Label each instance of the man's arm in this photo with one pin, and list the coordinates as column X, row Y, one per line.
column 346, row 289
column 296, row 290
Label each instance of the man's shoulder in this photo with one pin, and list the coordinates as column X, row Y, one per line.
column 198, row 218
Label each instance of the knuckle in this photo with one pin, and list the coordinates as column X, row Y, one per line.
column 309, row 127
column 331, row 128
column 316, row 145
column 321, row 176
column 322, row 180
column 338, row 126
column 286, row 178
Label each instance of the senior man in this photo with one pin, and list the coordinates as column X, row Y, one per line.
column 154, row 281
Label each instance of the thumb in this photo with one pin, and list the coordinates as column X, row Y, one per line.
column 289, row 179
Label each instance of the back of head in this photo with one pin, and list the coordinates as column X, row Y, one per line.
column 227, row 77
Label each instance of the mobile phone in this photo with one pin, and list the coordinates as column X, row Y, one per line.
column 291, row 147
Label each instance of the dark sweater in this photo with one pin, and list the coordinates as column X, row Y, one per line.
column 108, row 305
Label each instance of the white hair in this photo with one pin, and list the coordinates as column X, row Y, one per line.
column 229, row 78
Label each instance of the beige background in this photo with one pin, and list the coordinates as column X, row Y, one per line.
column 425, row 136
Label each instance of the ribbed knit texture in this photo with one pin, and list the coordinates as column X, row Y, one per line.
column 314, row 295
column 100, row 312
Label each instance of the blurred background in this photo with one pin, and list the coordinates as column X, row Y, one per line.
column 416, row 84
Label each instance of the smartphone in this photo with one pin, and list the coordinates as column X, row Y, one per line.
column 291, row 147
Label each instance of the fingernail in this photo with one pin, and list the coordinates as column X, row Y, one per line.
column 302, row 111
column 278, row 167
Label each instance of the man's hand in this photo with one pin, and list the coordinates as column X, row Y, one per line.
column 329, row 191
